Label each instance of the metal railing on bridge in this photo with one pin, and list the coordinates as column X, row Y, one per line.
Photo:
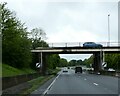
column 80, row 44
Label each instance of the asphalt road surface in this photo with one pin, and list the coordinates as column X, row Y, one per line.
column 77, row 83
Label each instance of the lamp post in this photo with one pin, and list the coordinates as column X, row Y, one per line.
column 108, row 30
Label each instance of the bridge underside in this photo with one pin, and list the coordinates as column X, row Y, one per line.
column 97, row 61
column 97, row 53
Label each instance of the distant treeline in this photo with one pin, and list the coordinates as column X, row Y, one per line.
column 112, row 60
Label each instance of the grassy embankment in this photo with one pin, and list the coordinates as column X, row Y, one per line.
column 8, row 71
column 34, row 84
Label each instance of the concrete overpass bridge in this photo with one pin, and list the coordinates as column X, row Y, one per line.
column 97, row 53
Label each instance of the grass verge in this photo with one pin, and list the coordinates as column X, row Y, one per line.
column 36, row 83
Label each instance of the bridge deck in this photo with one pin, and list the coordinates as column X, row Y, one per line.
column 70, row 50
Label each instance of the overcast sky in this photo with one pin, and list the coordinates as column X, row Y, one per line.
column 69, row 21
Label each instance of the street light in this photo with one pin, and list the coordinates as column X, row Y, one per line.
column 108, row 30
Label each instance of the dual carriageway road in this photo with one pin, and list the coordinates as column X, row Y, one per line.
column 77, row 83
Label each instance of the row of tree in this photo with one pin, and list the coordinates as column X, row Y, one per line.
column 17, row 42
column 64, row 63
column 112, row 60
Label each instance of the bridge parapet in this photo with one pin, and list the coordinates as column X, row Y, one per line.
column 80, row 44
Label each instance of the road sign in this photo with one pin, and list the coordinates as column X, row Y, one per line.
column 104, row 64
column 38, row 65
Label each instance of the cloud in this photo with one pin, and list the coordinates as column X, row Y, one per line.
column 87, row 20
column 69, row 34
column 82, row 17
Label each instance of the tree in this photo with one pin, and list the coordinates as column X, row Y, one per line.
column 37, row 36
column 72, row 62
column 113, row 60
column 63, row 62
column 53, row 61
column 88, row 61
column 15, row 43
column 80, row 62
column 76, row 62
column 35, row 56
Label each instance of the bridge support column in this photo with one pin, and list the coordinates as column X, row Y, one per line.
column 98, row 59
column 44, row 64
column 42, row 61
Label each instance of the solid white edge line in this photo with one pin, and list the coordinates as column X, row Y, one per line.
column 50, row 86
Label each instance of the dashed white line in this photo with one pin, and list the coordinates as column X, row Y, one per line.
column 95, row 84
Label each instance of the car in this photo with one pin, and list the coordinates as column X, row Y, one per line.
column 98, row 73
column 111, row 69
column 78, row 69
column 65, row 70
column 92, row 45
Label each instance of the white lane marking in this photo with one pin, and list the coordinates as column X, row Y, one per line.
column 45, row 92
column 95, row 84
column 85, row 79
